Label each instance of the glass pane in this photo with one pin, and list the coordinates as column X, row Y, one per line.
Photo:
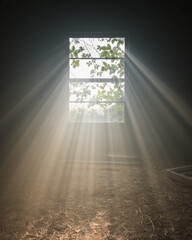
column 96, row 47
column 98, row 113
column 96, row 91
column 82, row 68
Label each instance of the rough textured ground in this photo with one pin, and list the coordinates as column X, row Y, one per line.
column 94, row 201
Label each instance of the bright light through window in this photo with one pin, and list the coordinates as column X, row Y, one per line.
column 96, row 79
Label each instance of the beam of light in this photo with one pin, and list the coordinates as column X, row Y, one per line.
column 49, row 116
column 152, row 100
column 172, row 98
column 139, row 112
column 46, row 142
column 39, row 136
column 144, row 87
column 34, row 113
column 158, row 113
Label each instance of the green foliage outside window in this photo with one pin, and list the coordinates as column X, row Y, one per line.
column 104, row 95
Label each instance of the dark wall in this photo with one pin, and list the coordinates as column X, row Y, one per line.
column 159, row 33
column 32, row 44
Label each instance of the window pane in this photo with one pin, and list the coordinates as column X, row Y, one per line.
column 96, row 91
column 97, row 47
column 82, row 68
column 92, row 112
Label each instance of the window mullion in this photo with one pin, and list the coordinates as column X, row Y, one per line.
column 97, row 80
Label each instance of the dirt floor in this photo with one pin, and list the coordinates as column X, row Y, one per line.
column 94, row 201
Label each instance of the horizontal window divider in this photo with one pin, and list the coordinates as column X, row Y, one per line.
column 96, row 80
column 78, row 58
column 97, row 101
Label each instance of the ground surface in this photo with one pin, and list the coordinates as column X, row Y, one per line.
column 94, row 201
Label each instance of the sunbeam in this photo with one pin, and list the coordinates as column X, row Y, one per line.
column 155, row 111
column 86, row 143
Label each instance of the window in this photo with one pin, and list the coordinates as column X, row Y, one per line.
column 97, row 79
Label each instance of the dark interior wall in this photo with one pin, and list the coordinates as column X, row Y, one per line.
column 32, row 45
column 158, row 32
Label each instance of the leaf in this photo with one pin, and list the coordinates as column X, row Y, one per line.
column 108, row 46
column 76, row 53
column 75, row 63
column 104, row 54
column 73, row 48
column 103, row 69
column 104, row 48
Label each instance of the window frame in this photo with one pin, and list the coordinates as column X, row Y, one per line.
column 101, row 80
